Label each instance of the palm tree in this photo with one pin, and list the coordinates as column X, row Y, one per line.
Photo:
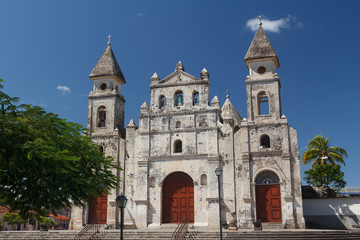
column 320, row 152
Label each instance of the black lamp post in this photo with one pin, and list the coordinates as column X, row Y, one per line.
column 121, row 203
column 218, row 172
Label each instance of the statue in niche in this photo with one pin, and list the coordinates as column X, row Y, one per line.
column 102, row 119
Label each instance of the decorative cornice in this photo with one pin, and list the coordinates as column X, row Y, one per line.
column 178, row 157
column 247, row 200
column 200, row 129
column 108, row 94
column 170, row 113
column 288, row 198
column 266, row 153
column 142, row 163
column 139, row 202
column 197, row 82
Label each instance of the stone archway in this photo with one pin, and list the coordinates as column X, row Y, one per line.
column 268, row 197
column 178, row 198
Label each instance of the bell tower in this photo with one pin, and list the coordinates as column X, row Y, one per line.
column 106, row 104
column 262, row 83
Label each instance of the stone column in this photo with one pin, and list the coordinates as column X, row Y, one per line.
column 288, row 211
column 247, row 196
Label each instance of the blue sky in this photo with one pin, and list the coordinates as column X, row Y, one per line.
column 48, row 49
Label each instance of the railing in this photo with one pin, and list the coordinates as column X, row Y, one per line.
column 88, row 232
column 180, row 230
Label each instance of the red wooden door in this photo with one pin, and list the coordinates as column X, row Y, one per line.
column 98, row 212
column 268, row 203
column 178, row 198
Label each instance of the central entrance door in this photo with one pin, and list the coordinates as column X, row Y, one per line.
column 178, row 198
column 268, row 197
column 98, row 210
column 268, row 203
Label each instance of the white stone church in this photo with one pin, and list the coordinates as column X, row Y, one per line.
column 183, row 135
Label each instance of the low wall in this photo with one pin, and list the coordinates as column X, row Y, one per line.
column 332, row 213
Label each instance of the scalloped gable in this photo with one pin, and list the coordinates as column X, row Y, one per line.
column 179, row 77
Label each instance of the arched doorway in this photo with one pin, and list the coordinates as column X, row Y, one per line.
column 178, row 198
column 98, row 210
column 268, row 197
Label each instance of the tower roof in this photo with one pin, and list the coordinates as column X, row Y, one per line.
column 261, row 47
column 107, row 66
column 228, row 111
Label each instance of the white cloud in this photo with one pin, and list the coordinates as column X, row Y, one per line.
column 63, row 89
column 140, row 15
column 273, row 25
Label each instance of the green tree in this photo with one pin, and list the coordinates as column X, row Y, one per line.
column 328, row 178
column 47, row 163
column 47, row 222
column 321, row 153
column 13, row 219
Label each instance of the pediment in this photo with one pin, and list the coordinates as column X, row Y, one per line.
column 178, row 77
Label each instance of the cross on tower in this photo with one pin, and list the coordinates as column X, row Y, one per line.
column 260, row 16
column 227, row 93
column 109, row 37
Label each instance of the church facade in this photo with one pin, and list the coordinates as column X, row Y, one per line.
column 183, row 135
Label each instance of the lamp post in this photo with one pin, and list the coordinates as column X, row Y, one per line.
column 121, row 203
column 218, row 172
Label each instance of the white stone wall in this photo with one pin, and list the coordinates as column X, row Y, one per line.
column 335, row 213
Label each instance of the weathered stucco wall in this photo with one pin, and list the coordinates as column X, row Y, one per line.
column 332, row 213
column 210, row 137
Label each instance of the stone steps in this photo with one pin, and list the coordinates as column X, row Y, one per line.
column 192, row 234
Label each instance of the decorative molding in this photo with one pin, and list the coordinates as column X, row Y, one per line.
column 212, row 200
column 179, row 130
column 214, row 158
column 112, row 203
column 288, row 198
column 139, row 202
column 178, row 157
column 265, row 153
column 188, row 111
column 187, row 83
column 142, row 163
column 247, row 200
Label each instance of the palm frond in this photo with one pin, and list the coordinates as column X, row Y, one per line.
column 337, row 157
column 338, row 150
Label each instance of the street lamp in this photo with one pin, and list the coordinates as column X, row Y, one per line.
column 121, row 203
column 218, row 172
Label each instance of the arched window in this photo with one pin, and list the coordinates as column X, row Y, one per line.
column 103, row 86
column 102, row 116
column 178, row 124
column 179, row 98
column 267, row 177
column 261, row 70
column 162, row 101
column 152, row 182
column 177, row 146
column 196, row 98
column 264, row 141
column 203, row 179
column 100, row 148
column 263, row 103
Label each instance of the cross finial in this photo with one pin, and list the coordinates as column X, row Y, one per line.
column 260, row 16
column 109, row 42
column 227, row 93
